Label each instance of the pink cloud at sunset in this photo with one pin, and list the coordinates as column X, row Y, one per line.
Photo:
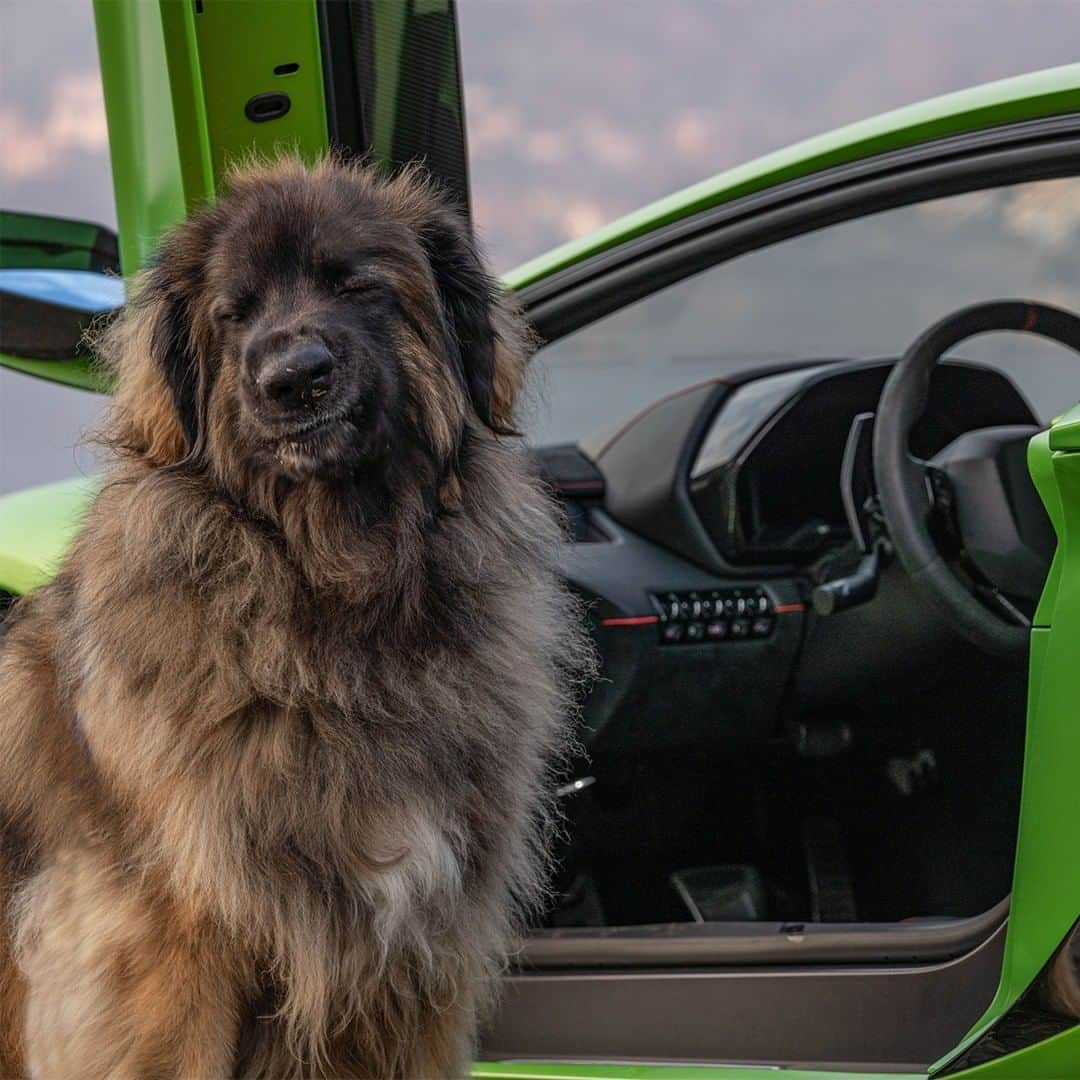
column 74, row 123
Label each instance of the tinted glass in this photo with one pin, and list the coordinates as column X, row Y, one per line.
column 862, row 289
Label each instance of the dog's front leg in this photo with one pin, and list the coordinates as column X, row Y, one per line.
column 121, row 983
column 12, row 992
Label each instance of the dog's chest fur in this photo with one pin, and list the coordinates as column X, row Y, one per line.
column 339, row 782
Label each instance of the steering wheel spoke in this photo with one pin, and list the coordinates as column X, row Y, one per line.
column 956, row 516
column 942, row 518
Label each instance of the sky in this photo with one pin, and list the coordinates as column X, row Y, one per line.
column 578, row 111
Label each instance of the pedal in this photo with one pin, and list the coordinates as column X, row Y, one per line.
column 578, row 905
column 820, row 739
column 912, row 773
column 832, row 898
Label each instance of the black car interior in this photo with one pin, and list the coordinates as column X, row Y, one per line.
column 774, row 739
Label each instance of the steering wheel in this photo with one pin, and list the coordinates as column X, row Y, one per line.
column 978, row 483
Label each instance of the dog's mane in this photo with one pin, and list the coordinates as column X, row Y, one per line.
column 307, row 718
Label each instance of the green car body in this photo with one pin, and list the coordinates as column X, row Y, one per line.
column 164, row 72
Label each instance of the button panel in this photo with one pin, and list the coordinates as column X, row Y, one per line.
column 711, row 616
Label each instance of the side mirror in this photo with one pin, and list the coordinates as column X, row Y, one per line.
column 56, row 277
column 32, row 242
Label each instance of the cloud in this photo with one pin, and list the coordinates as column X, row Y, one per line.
column 1043, row 214
column 74, row 123
column 581, row 218
column 955, row 209
column 1046, row 213
column 692, row 135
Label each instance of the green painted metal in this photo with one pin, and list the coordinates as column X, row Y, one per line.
column 1026, row 97
column 1046, row 879
column 34, row 242
column 1065, row 434
column 1040, row 461
column 188, row 102
column 78, row 372
column 36, row 529
column 226, row 55
column 176, row 82
column 147, row 178
column 1057, row 1058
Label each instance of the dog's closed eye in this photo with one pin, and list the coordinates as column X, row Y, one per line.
column 232, row 310
column 360, row 283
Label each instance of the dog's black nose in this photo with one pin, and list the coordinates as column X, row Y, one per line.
column 299, row 375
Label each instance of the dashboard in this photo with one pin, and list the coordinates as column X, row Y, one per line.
column 776, row 499
column 698, row 528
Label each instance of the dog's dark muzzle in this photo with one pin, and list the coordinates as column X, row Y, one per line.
column 296, row 379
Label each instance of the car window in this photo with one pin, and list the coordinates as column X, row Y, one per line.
column 864, row 288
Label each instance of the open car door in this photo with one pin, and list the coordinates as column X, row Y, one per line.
column 190, row 88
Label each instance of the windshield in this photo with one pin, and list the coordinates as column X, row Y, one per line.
column 861, row 289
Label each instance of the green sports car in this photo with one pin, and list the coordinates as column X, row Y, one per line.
column 826, row 818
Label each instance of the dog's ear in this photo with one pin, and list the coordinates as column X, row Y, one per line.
column 481, row 341
column 172, row 349
column 155, row 412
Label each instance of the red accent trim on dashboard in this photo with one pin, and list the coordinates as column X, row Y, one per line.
column 631, row 620
column 789, row 609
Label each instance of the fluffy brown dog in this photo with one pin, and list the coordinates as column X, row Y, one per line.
column 275, row 743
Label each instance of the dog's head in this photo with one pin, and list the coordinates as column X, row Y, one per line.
column 315, row 323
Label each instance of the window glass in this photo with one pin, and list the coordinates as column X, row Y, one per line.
column 864, row 288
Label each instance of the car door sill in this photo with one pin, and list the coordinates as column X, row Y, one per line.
column 756, row 943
